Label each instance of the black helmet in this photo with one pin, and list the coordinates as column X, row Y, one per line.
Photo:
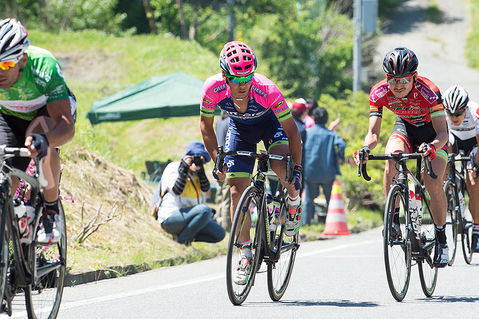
column 400, row 62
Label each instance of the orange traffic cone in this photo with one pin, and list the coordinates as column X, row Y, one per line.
column 336, row 219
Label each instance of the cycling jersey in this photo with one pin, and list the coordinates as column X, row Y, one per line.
column 41, row 82
column 423, row 103
column 265, row 98
column 469, row 127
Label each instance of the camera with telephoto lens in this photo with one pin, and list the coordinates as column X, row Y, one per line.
column 198, row 160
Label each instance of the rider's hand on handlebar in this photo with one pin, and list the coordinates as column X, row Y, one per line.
column 220, row 176
column 364, row 151
column 428, row 150
column 37, row 145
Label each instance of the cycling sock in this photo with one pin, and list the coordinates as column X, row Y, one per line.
column 294, row 202
column 475, row 228
column 246, row 250
column 52, row 207
column 440, row 233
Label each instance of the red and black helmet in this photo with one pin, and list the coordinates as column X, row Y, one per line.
column 400, row 62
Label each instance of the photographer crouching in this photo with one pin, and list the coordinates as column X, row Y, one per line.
column 179, row 202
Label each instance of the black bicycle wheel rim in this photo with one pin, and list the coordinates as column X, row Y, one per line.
column 427, row 272
column 397, row 251
column 466, row 231
column 4, row 256
column 238, row 293
column 43, row 297
column 452, row 223
column 279, row 271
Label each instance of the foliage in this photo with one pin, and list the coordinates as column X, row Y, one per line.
column 308, row 54
column 60, row 15
column 472, row 45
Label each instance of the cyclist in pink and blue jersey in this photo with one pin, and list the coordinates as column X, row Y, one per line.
column 258, row 112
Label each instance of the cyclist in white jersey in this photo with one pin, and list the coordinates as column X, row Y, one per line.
column 463, row 122
column 36, row 110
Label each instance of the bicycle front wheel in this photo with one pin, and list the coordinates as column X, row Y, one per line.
column 466, row 230
column 43, row 296
column 243, row 223
column 452, row 223
column 397, row 244
column 281, row 267
column 427, row 272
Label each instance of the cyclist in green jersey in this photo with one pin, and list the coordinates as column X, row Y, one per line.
column 37, row 110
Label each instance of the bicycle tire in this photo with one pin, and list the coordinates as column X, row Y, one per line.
column 466, row 231
column 397, row 249
column 4, row 264
column 43, row 296
column 452, row 222
column 280, row 270
column 427, row 272
column 249, row 201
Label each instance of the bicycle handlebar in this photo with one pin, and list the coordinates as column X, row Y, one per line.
column 219, row 164
column 398, row 157
column 23, row 152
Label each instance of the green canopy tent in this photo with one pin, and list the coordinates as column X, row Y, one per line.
column 171, row 95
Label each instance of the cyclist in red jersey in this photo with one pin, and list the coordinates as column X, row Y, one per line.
column 420, row 126
column 258, row 112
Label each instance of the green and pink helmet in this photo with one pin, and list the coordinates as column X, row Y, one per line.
column 237, row 59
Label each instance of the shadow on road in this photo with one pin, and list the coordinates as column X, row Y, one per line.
column 452, row 299
column 344, row 303
column 408, row 18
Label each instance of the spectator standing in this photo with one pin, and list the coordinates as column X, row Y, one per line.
column 179, row 202
column 323, row 151
column 309, row 120
column 223, row 198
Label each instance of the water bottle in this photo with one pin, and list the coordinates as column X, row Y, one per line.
column 26, row 217
column 273, row 222
column 462, row 203
column 415, row 210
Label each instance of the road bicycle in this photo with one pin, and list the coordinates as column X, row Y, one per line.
column 273, row 247
column 459, row 218
column 28, row 268
column 413, row 239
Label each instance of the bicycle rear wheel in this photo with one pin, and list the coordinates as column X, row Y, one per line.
column 248, row 204
column 427, row 272
column 281, row 268
column 44, row 295
column 466, row 233
column 4, row 255
column 452, row 223
column 397, row 245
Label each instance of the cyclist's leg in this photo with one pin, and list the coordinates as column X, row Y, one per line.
column 435, row 188
column 473, row 190
column 398, row 142
column 12, row 133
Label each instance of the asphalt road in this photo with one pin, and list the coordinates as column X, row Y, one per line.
column 338, row 278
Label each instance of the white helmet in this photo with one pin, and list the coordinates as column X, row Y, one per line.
column 455, row 99
column 13, row 40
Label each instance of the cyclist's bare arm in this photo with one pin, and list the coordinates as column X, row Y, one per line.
column 440, row 127
column 64, row 129
column 374, row 131
column 295, row 147
column 209, row 136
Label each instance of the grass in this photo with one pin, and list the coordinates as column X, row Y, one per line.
column 472, row 44
column 433, row 13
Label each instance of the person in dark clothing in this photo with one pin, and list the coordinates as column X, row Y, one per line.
column 323, row 151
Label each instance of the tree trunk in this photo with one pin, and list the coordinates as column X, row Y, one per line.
column 150, row 16
column 184, row 33
column 193, row 26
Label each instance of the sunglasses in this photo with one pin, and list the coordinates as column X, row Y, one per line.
column 403, row 80
column 240, row 79
column 5, row 65
column 455, row 114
